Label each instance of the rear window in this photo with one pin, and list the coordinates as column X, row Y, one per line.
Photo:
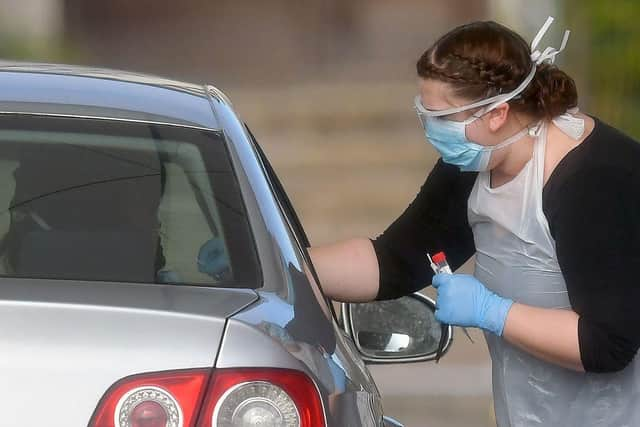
column 97, row 200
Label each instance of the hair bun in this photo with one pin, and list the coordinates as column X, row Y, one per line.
column 551, row 92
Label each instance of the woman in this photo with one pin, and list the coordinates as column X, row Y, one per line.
column 548, row 200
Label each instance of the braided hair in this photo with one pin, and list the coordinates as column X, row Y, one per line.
column 483, row 59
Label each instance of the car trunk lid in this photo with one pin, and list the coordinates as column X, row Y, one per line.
column 65, row 343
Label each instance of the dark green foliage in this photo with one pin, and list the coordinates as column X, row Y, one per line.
column 604, row 58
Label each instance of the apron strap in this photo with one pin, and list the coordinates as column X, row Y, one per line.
column 570, row 124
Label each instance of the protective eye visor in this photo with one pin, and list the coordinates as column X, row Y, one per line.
column 547, row 55
column 491, row 103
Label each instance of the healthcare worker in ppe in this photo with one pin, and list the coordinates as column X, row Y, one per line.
column 548, row 200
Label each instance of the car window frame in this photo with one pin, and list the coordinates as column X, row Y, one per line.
column 291, row 217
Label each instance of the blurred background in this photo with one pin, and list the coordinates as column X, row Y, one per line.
column 327, row 88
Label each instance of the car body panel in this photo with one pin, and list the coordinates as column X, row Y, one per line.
column 285, row 334
column 70, row 341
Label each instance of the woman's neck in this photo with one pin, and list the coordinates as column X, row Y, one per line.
column 518, row 154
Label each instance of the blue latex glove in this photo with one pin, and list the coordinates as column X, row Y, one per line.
column 213, row 259
column 464, row 301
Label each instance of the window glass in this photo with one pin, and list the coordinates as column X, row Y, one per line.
column 129, row 202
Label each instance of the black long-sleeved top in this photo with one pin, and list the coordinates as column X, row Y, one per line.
column 592, row 204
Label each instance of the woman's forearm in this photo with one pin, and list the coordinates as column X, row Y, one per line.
column 549, row 334
column 348, row 270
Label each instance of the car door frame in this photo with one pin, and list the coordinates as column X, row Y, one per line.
column 299, row 235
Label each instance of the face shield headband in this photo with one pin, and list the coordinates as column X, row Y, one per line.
column 547, row 55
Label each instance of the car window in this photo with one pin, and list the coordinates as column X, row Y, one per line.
column 129, row 202
column 291, row 215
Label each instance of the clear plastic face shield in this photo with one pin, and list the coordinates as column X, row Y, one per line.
column 491, row 103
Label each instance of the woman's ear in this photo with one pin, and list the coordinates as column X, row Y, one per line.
column 498, row 117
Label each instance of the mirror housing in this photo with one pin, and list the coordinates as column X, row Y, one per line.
column 396, row 331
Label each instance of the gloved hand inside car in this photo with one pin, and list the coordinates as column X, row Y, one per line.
column 213, row 259
column 464, row 301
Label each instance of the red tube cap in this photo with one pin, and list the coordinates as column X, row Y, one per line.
column 439, row 258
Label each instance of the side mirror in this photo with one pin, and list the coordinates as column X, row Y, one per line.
column 395, row 331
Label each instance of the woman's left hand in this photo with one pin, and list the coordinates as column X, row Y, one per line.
column 464, row 301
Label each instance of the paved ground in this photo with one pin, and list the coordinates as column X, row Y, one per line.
column 459, row 411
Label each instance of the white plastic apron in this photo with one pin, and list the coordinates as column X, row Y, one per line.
column 516, row 259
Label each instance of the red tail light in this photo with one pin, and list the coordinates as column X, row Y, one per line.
column 147, row 400
column 256, row 392
column 246, row 396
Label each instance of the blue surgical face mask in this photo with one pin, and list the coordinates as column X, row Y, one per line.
column 450, row 139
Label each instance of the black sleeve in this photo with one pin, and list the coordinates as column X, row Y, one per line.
column 596, row 225
column 435, row 221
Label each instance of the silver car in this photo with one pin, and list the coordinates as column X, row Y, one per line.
column 153, row 272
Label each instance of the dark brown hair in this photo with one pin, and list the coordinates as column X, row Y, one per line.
column 483, row 59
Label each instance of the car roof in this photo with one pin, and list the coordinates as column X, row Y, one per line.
column 69, row 90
